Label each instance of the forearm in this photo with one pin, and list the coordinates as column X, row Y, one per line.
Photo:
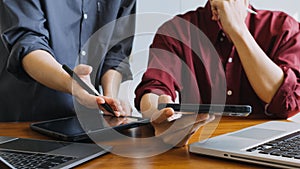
column 264, row 75
column 110, row 82
column 42, row 67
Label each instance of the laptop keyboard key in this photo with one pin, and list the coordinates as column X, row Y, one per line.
column 287, row 146
column 33, row 160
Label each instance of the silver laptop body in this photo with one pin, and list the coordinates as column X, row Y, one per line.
column 236, row 145
column 61, row 154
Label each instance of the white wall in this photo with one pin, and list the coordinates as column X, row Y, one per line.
column 289, row 6
column 152, row 13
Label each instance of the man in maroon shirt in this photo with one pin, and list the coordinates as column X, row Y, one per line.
column 235, row 57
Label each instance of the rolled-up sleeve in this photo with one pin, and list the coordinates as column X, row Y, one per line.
column 162, row 76
column 286, row 101
column 22, row 31
column 117, row 57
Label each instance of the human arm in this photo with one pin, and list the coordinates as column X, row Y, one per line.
column 116, row 66
column 42, row 67
column 264, row 75
column 111, row 81
column 281, row 46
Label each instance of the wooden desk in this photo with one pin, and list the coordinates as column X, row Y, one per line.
column 176, row 158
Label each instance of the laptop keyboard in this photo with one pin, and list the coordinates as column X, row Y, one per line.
column 286, row 146
column 24, row 160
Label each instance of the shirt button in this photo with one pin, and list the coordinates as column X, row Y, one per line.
column 229, row 92
column 85, row 16
column 230, row 60
column 223, row 34
column 83, row 53
column 221, row 39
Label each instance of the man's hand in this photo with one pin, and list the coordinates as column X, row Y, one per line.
column 231, row 14
column 91, row 101
column 120, row 107
column 178, row 131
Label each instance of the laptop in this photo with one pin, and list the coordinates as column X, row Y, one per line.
column 31, row 153
column 274, row 143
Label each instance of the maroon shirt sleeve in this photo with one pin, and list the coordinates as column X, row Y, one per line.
column 163, row 69
column 286, row 101
column 173, row 64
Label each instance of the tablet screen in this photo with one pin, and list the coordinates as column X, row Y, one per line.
column 69, row 128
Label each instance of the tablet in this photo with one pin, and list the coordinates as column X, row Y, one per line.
column 69, row 128
column 224, row 110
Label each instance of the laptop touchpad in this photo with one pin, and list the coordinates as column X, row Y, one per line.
column 32, row 145
column 257, row 133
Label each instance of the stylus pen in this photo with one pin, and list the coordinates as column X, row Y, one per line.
column 87, row 87
column 251, row 11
